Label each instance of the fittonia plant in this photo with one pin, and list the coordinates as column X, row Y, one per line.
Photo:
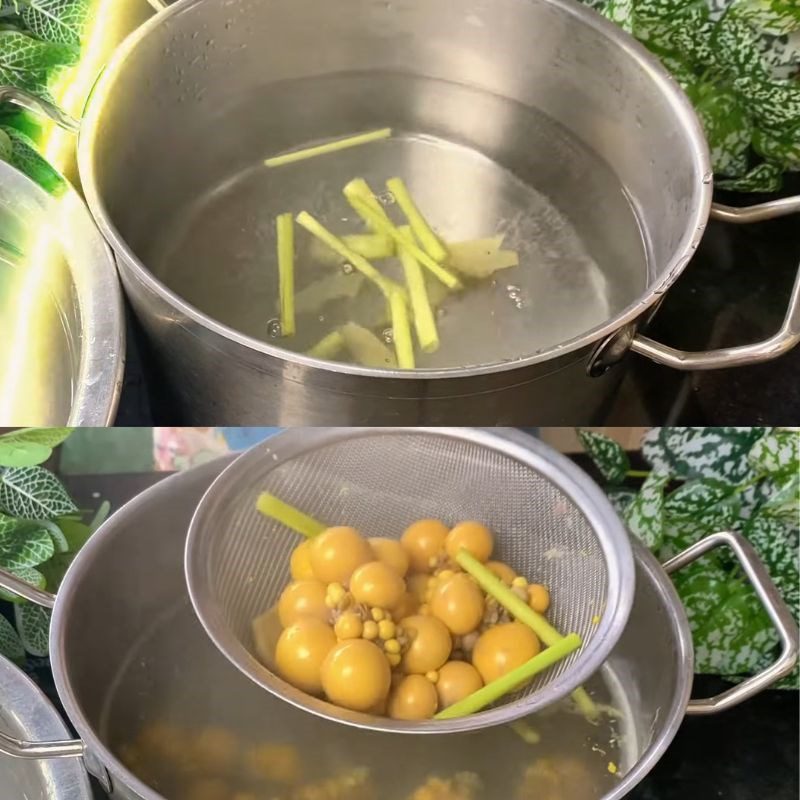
column 738, row 60
column 703, row 480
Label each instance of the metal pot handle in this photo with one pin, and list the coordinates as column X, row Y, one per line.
column 773, row 604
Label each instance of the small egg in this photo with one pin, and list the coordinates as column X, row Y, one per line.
column 430, row 644
column 457, row 680
column 302, row 599
column 538, row 597
column 348, row 626
column 301, row 651
column 501, row 571
column 458, row 602
column 474, row 537
column 417, row 585
column 356, row 675
column 375, row 584
column 413, row 698
column 424, row 543
column 391, row 553
column 337, row 552
column 503, row 648
column 300, row 562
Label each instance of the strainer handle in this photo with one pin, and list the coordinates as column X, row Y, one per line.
column 773, row 604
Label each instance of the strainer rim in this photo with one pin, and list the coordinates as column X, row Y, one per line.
column 522, row 447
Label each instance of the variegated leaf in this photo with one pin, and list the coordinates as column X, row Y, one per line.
column 777, row 451
column 26, row 544
column 608, row 456
column 27, row 574
column 10, row 643
column 33, row 493
column 33, row 626
column 645, row 515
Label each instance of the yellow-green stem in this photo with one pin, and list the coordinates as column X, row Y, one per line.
column 419, row 225
column 424, row 320
column 329, row 147
column 291, row 517
column 401, row 330
column 285, row 232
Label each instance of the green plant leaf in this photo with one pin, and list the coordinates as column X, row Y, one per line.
column 728, row 129
column 697, row 497
column 28, row 63
column 777, row 452
column 60, row 541
column 608, row 455
column 777, row 542
column 785, row 502
column 75, row 531
column 23, row 454
column 58, row 21
column 765, row 177
column 54, row 570
column 26, row 158
column 10, row 643
column 100, row 516
column 33, row 493
column 621, row 499
column 25, row 544
column 645, row 515
column 5, row 146
column 28, row 574
column 49, row 437
column 33, row 626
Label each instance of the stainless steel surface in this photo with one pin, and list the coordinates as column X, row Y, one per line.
column 157, row 663
column 549, row 519
column 756, row 213
column 773, row 604
column 61, row 317
column 25, row 713
column 403, row 65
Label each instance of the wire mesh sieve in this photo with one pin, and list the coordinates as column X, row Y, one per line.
column 552, row 524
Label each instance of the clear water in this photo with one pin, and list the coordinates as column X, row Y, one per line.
column 477, row 164
column 175, row 679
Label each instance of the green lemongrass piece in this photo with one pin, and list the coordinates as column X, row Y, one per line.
column 359, row 189
column 422, row 230
column 401, row 332
column 366, row 348
column 373, row 246
column 511, row 680
column 271, row 506
column 424, row 321
column 330, row 147
column 386, row 285
column 506, row 597
column 329, row 346
column 284, row 225
column 481, row 258
column 525, row 731
column 381, row 225
column 525, row 614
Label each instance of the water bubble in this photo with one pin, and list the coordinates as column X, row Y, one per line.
column 347, row 268
column 386, row 198
column 440, row 313
column 708, row 177
column 274, row 328
column 388, row 335
column 321, row 318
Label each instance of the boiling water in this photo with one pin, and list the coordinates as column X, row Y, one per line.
column 477, row 164
column 175, row 679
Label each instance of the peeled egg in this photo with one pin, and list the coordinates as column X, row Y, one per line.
column 336, row 553
column 503, row 648
column 502, row 571
column 391, row 553
column 302, row 599
column 458, row 602
column 430, row 644
column 457, row 680
column 356, row 675
column 301, row 651
column 474, row 537
column 414, row 697
column 300, row 562
column 423, row 541
column 376, row 584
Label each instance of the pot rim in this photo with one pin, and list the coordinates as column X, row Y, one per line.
column 683, row 109
column 210, row 471
column 98, row 380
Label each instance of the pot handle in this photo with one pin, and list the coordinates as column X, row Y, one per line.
column 773, row 604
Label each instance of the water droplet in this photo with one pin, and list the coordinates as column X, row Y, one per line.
column 274, row 328
column 708, row 177
column 321, row 318
column 347, row 268
column 440, row 312
column 386, row 198
column 388, row 335
column 209, row 42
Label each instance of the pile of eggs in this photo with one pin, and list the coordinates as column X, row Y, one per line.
column 394, row 627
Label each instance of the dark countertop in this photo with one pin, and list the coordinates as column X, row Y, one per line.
column 747, row 753
column 735, row 291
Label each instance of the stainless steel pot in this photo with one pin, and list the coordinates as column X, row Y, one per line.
column 62, row 332
column 196, row 74
column 127, row 650
column 25, row 713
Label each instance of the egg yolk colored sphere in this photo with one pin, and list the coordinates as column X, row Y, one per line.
column 301, row 651
column 300, row 563
column 337, row 552
column 302, row 599
column 423, row 541
column 356, row 675
column 391, row 553
column 418, row 585
column 376, row 584
column 457, row 680
column 458, row 602
column 501, row 571
column 474, row 537
column 503, row 648
column 430, row 644
column 538, row 597
column 406, row 606
column 413, row 698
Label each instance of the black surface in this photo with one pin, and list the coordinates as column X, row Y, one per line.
column 734, row 292
column 747, row 753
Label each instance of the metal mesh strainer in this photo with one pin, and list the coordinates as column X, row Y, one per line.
column 551, row 523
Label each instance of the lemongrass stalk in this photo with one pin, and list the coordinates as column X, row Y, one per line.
column 328, row 346
column 329, row 147
column 401, row 330
column 386, row 285
column 424, row 320
column 381, row 225
column 359, row 189
column 291, row 517
column 525, row 614
column 373, row 246
column 285, row 231
column 493, row 691
column 430, row 242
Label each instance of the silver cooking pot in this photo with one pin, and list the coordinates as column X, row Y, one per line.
column 180, row 112
column 26, row 713
column 127, row 650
